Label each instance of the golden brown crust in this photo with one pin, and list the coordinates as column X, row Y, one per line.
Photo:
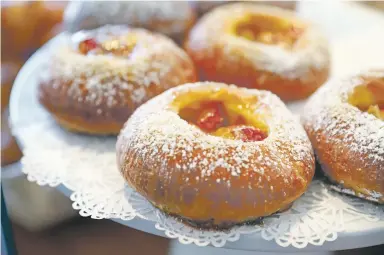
column 221, row 55
column 244, row 75
column 348, row 143
column 78, row 124
column 204, row 178
column 349, row 169
column 96, row 94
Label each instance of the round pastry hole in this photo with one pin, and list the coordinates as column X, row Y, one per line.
column 118, row 46
column 230, row 121
column 369, row 97
column 268, row 30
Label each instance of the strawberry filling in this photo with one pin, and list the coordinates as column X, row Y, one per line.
column 241, row 132
column 226, row 121
column 88, row 45
column 212, row 117
column 249, row 134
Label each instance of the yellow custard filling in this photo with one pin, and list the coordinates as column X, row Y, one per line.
column 268, row 30
column 223, row 114
column 118, row 46
column 369, row 97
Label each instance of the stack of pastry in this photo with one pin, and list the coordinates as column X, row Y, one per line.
column 21, row 36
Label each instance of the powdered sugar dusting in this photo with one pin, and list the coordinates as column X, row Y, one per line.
column 115, row 80
column 328, row 110
column 310, row 51
column 158, row 134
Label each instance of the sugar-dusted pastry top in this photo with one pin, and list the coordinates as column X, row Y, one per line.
column 260, row 47
column 110, row 71
column 270, row 38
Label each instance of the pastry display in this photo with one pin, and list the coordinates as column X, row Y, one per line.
column 261, row 47
column 94, row 83
column 216, row 155
column 345, row 123
column 172, row 18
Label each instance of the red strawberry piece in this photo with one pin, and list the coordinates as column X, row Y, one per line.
column 87, row 45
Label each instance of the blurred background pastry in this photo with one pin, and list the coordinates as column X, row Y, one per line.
column 10, row 152
column 375, row 4
column 26, row 25
column 172, row 18
column 260, row 46
column 202, row 7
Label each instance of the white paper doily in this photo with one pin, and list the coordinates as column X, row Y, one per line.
column 86, row 165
